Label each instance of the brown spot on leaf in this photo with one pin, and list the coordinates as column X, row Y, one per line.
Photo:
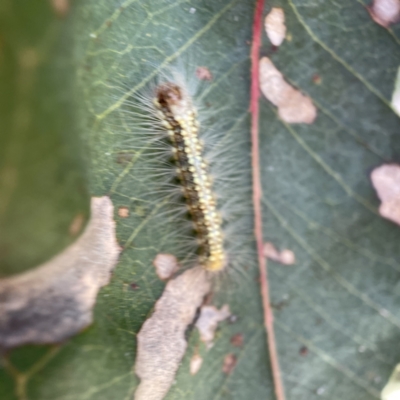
column 208, row 320
column 386, row 181
column 166, row 265
column 229, row 364
column 385, row 12
column 134, row 286
column 275, row 26
column 293, row 106
column 204, row 74
column 317, row 79
column 237, row 340
column 285, row 257
column 76, row 224
column 123, row 212
column 60, row 7
column 161, row 340
column 55, row 300
column 195, row 364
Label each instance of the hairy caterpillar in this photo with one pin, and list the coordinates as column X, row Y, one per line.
column 180, row 119
column 185, row 161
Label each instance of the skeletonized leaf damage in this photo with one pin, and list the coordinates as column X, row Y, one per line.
column 55, row 300
column 293, row 106
column 161, row 340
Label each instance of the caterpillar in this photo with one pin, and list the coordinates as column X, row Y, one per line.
column 180, row 118
column 187, row 153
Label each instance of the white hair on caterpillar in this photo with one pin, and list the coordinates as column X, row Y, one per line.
column 143, row 131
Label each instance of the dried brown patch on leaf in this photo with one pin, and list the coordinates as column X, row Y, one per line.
column 386, row 181
column 204, row 74
column 286, row 257
column 166, row 265
column 208, row 320
column 195, row 364
column 275, row 26
column 55, row 300
column 385, row 12
column 293, row 106
column 161, row 340
column 229, row 364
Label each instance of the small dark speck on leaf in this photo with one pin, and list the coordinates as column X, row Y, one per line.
column 280, row 304
column 237, row 340
column 124, row 158
column 303, row 351
column 317, row 79
column 229, row 364
column 134, row 286
column 274, row 48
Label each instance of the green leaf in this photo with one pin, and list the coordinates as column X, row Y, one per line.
column 336, row 310
column 42, row 188
column 122, row 47
column 341, row 300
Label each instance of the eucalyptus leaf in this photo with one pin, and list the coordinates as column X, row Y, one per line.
column 336, row 310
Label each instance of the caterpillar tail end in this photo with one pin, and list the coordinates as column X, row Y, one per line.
column 215, row 263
